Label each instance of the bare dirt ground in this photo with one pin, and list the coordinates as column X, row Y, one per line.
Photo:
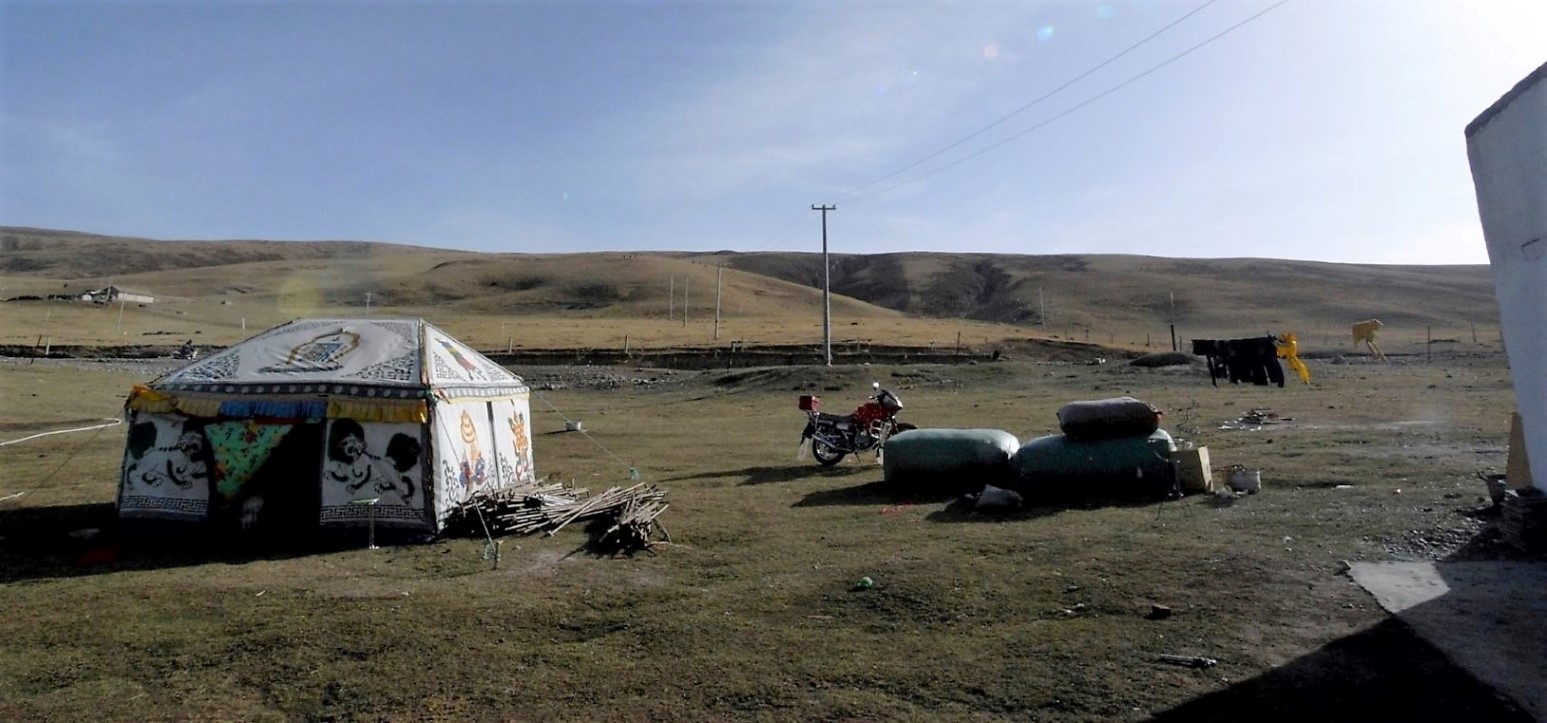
column 751, row 611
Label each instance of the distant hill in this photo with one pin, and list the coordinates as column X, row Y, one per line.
column 70, row 254
column 1099, row 298
column 1091, row 291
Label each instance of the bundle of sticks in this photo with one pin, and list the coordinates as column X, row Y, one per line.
column 629, row 513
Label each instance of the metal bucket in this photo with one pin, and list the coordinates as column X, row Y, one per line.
column 1245, row 480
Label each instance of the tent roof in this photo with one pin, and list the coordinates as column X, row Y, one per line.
column 389, row 358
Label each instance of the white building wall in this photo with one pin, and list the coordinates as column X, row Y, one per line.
column 1507, row 146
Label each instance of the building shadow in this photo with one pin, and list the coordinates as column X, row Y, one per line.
column 1385, row 673
column 1392, row 672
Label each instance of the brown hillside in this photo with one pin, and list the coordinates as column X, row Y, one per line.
column 1204, row 296
column 73, row 255
column 233, row 288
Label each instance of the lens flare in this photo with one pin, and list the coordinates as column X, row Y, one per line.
column 990, row 51
column 299, row 297
column 1045, row 32
column 1103, row 11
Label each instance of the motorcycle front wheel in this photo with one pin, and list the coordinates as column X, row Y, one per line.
column 825, row 454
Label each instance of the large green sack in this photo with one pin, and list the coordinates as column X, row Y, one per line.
column 949, row 460
column 1059, row 467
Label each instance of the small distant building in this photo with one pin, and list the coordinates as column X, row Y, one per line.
column 114, row 294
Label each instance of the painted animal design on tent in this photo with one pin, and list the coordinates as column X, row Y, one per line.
column 351, row 463
column 1364, row 331
column 184, row 464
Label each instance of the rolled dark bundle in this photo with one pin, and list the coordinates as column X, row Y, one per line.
column 1108, row 419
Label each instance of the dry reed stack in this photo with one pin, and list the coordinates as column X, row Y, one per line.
column 624, row 518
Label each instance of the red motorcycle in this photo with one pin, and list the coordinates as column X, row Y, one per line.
column 835, row 435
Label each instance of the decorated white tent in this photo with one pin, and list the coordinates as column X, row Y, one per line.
column 308, row 423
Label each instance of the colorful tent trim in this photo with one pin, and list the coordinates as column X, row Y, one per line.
column 145, row 399
column 312, row 409
column 417, row 411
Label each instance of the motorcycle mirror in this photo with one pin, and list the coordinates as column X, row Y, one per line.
column 875, row 385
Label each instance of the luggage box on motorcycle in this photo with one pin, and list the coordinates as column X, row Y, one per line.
column 810, row 403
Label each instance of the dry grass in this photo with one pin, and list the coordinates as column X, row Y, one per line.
column 749, row 614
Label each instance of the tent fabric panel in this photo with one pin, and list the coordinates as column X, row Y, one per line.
column 449, row 362
column 378, row 352
column 373, row 460
column 240, row 449
column 168, row 464
column 463, row 452
column 512, row 442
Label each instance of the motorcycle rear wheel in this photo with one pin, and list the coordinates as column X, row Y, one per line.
column 826, row 454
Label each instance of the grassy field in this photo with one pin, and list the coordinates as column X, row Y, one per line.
column 751, row 612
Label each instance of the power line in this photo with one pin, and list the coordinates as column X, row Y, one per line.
column 1078, row 106
column 1028, row 106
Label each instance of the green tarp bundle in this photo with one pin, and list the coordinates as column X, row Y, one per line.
column 1057, row 466
column 949, row 460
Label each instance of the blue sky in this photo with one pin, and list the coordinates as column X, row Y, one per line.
column 1324, row 129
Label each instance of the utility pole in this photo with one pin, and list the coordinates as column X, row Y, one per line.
column 718, row 274
column 671, row 298
column 367, row 304
column 827, row 306
column 1041, row 309
column 1172, row 314
column 684, row 302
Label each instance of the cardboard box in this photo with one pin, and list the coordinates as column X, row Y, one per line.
column 1192, row 470
column 1517, row 470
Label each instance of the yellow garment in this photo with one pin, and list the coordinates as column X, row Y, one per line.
column 1289, row 350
